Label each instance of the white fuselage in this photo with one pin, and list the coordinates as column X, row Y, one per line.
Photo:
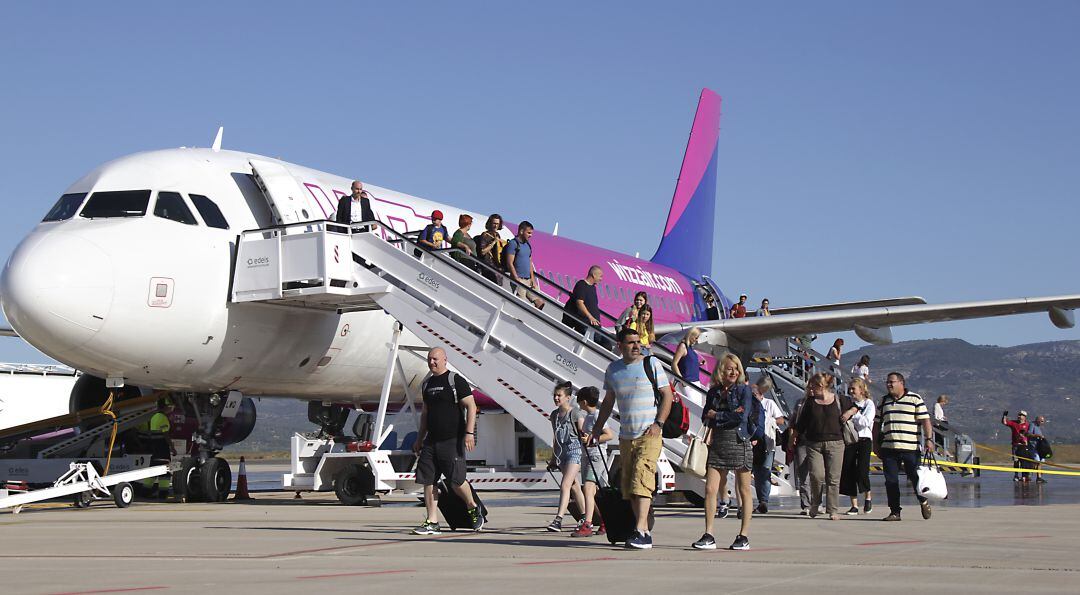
column 87, row 292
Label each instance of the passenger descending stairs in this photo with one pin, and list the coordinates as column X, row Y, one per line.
column 514, row 352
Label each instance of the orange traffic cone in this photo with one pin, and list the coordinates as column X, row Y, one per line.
column 241, row 483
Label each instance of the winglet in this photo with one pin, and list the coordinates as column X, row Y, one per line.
column 217, row 139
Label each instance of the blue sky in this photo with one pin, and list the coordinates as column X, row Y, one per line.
column 867, row 150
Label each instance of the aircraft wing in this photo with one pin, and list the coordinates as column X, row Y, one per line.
column 872, row 324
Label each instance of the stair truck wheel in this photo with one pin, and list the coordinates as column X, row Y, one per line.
column 83, row 499
column 123, row 494
column 216, row 480
column 694, row 499
column 187, row 482
column 354, row 484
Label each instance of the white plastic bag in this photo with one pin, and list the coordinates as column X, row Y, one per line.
column 931, row 483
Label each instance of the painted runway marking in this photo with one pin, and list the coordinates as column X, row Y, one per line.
column 564, row 561
column 118, row 590
column 364, row 573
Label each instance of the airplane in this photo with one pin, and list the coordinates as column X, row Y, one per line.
column 127, row 279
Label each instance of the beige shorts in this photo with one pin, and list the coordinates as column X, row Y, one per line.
column 637, row 460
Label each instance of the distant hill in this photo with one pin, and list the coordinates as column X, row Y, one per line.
column 981, row 381
column 984, row 380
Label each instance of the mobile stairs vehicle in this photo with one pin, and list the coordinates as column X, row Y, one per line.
column 512, row 350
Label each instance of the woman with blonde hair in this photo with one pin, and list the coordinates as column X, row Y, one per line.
column 855, row 476
column 726, row 416
column 820, row 427
column 686, row 361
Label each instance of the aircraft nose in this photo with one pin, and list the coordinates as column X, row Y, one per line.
column 57, row 289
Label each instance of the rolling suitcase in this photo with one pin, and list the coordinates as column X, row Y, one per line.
column 575, row 510
column 618, row 514
column 453, row 508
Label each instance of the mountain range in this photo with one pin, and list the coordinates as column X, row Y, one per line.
column 982, row 381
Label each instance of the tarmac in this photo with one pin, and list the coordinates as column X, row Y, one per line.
column 278, row 544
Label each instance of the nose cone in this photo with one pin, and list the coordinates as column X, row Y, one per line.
column 57, row 290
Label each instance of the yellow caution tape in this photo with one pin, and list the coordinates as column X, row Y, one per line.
column 951, row 466
column 1008, row 454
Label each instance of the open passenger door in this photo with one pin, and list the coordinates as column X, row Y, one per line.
column 289, row 202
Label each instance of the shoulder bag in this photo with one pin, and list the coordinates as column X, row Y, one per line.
column 847, row 428
column 693, row 461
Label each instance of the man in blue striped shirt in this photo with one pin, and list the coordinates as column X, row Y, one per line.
column 896, row 434
column 641, row 420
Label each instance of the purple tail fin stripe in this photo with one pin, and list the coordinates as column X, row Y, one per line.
column 687, row 244
column 700, row 150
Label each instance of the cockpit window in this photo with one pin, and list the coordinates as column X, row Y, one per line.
column 170, row 205
column 210, row 212
column 120, row 203
column 66, row 207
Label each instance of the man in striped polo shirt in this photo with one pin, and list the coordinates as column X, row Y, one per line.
column 896, row 435
column 641, row 421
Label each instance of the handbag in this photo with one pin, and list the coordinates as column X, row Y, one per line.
column 931, row 481
column 847, row 428
column 696, row 455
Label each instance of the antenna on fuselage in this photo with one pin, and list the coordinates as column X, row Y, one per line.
column 217, row 139
column 556, row 232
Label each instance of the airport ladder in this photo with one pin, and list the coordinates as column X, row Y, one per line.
column 513, row 351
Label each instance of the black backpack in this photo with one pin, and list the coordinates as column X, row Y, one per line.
column 678, row 419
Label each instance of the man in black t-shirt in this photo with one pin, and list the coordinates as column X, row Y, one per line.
column 583, row 302
column 445, row 433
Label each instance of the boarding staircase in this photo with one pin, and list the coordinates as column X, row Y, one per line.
column 512, row 350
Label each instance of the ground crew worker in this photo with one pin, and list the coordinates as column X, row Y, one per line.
column 154, row 438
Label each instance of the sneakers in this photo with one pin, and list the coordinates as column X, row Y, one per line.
column 638, row 541
column 868, row 506
column 926, row 512
column 762, row 508
column 602, row 530
column 804, row 511
column 892, row 517
column 814, row 512
column 427, row 528
column 556, row 525
column 741, row 543
column 705, row 543
column 583, row 530
column 854, row 510
column 721, row 511
column 476, row 518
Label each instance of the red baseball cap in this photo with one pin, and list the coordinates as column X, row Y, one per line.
column 436, row 214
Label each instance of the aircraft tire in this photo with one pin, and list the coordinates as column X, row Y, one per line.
column 187, row 482
column 216, row 480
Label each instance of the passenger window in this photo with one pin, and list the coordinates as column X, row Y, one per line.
column 65, row 207
column 120, row 203
column 170, row 205
column 210, row 212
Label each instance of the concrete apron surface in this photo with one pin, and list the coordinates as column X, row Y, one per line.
column 276, row 544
